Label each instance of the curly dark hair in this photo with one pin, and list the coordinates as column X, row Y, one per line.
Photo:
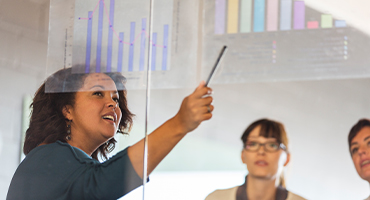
column 48, row 124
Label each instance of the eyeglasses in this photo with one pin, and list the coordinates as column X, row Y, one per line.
column 268, row 146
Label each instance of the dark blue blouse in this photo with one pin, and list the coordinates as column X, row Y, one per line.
column 60, row 171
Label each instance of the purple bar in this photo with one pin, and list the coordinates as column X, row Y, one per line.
column 100, row 36
column 131, row 51
column 142, row 45
column 154, row 51
column 220, row 16
column 165, row 47
column 120, row 53
column 88, row 42
column 110, row 36
column 299, row 15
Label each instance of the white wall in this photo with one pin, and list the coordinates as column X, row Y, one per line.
column 23, row 45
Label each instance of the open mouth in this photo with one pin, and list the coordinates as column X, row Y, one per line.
column 261, row 163
column 108, row 117
column 365, row 162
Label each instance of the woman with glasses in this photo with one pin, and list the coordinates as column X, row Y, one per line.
column 359, row 146
column 265, row 154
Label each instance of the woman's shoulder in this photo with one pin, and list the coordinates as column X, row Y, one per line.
column 47, row 149
column 56, row 151
column 223, row 194
column 292, row 196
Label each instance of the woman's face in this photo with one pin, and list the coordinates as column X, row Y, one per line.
column 95, row 115
column 360, row 150
column 263, row 164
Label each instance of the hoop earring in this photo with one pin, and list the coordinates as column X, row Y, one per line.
column 68, row 137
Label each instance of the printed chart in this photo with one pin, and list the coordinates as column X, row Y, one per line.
column 114, row 36
column 244, row 16
column 281, row 40
column 111, row 37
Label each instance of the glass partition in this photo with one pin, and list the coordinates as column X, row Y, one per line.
column 110, row 37
column 301, row 63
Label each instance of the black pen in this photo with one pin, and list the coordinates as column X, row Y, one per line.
column 220, row 56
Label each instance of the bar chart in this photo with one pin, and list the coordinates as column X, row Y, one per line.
column 109, row 37
column 244, row 16
column 273, row 40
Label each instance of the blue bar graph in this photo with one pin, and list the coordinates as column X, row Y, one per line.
column 165, row 47
column 120, row 52
column 100, row 36
column 142, row 45
column 106, row 35
column 131, row 51
column 88, row 42
column 110, row 36
column 286, row 14
column 259, row 15
column 154, row 51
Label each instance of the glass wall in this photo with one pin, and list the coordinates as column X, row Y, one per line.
column 301, row 63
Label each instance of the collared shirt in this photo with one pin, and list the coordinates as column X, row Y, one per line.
column 241, row 193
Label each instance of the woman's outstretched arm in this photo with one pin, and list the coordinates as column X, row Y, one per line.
column 194, row 109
